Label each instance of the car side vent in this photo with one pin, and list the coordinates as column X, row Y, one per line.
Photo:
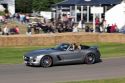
column 59, row 58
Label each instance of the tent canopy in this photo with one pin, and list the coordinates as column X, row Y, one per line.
column 116, row 16
column 88, row 2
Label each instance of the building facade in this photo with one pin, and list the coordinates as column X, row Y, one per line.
column 81, row 9
column 9, row 5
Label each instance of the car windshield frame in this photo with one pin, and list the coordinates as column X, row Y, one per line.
column 62, row 47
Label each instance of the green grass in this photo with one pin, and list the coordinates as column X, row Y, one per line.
column 118, row 80
column 110, row 49
column 14, row 55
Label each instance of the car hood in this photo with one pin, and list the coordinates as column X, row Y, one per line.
column 40, row 52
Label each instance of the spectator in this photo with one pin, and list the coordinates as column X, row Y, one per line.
column 2, row 19
column 17, row 30
column 7, row 16
column 122, row 30
column 81, row 24
column 87, row 29
column 75, row 28
column 108, row 29
column 1, row 32
column 17, row 15
column 6, row 30
column 22, row 18
column 97, row 22
column 12, row 31
column 97, row 28
column 29, row 29
column 27, row 18
column 112, row 30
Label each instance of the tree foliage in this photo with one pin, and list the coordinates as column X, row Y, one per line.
column 42, row 5
column 34, row 5
column 24, row 6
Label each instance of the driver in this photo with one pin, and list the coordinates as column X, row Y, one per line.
column 76, row 47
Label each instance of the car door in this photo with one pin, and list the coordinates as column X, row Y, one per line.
column 73, row 55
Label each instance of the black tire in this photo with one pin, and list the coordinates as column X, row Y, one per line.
column 46, row 61
column 27, row 64
column 90, row 58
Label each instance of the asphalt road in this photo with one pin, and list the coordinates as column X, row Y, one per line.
column 109, row 68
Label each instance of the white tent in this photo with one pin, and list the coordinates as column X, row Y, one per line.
column 2, row 8
column 10, row 5
column 116, row 15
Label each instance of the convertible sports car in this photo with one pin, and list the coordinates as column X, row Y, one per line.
column 63, row 53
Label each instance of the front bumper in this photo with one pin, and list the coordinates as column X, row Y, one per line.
column 31, row 62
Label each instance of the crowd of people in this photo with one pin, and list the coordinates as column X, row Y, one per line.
column 102, row 27
column 67, row 24
column 9, row 31
column 20, row 17
column 52, row 26
column 64, row 23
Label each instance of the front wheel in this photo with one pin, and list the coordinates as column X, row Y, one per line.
column 46, row 61
column 90, row 58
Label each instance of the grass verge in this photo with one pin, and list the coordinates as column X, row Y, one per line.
column 14, row 55
column 118, row 80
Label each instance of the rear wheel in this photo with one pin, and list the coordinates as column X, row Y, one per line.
column 46, row 61
column 90, row 58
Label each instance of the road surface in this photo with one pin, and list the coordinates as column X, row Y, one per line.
column 109, row 68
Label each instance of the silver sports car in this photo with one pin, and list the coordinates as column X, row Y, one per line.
column 64, row 53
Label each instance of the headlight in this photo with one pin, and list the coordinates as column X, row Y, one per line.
column 33, row 58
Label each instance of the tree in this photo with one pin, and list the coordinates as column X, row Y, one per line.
column 24, row 6
column 27, row 6
column 43, row 5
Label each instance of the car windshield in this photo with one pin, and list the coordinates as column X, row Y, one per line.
column 62, row 47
